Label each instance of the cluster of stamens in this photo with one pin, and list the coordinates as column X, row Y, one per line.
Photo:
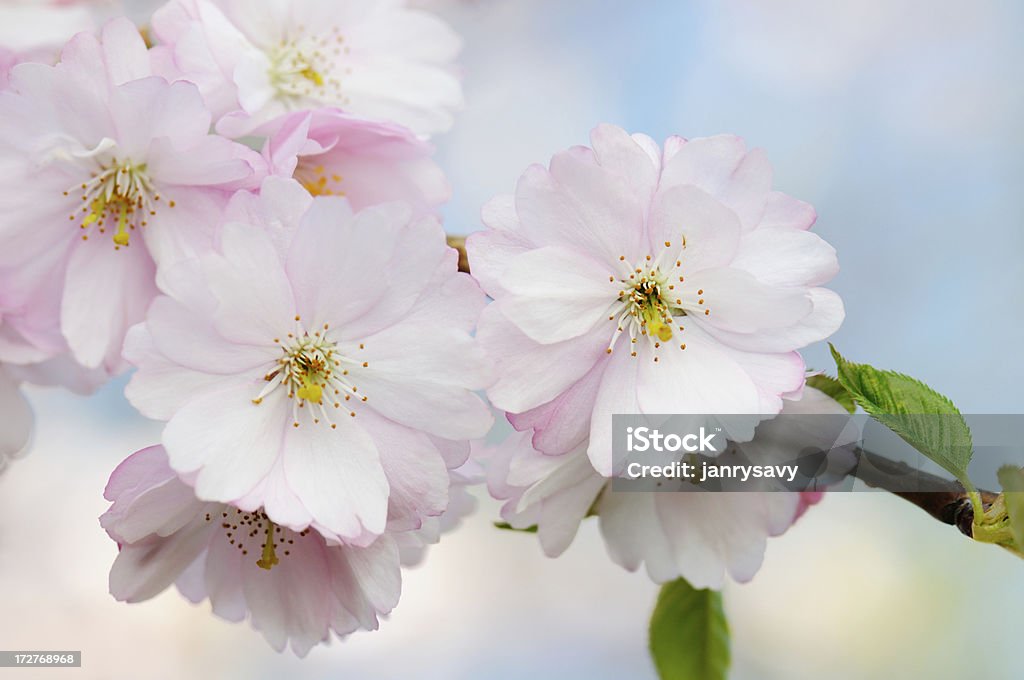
column 298, row 66
column 315, row 374
column 245, row 529
column 120, row 197
column 317, row 180
column 651, row 300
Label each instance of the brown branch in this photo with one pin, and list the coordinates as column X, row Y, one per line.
column 459, row 244
column 949, row 503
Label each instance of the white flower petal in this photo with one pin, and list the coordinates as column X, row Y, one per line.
column 739, row 303
column 787, row 257
column 702, row 232
column 230, row 441
column 337, row 474
column 556, row 294
column 531, row 374
column 105, row 292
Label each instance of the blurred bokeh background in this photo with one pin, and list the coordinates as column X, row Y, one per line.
column 900, row 120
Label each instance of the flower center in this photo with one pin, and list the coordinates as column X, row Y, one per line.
column 317, row 181
column 119, row 197
column 304, row 66
column 652, row 298
column 255, row 530
column 314, row 372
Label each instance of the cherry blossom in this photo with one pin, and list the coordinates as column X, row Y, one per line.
column 294, row 586
column 633, row 279
column 318, row 365
column 380, row 60
column 106, row 171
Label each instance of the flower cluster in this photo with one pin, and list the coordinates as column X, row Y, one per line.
column 242, row 207
column 272, row 265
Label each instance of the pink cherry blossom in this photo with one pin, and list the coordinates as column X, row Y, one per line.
column 106, row 171
column 335, row 154
column 633, row 279
column 379, row 60
column 319, row 365
column 294, row 586
column 701, row 537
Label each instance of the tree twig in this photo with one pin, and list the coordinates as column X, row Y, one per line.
column 459, row 244
column 948, row 503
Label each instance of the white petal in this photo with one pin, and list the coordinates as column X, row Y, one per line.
column 825, row 318
column 442, row 410
column 787, row 257
column 633, row 536
column 289, row 602
column 366, row 581
column 159, row 387
column 254, row 296
column 230, row 441
column 531, row 374
column 124, row 51
column 188, row 339
column 702, row 379
column 337, row 474
column 105, row 292
column 617, row 394
column 144, row 569
column 499, row 213
column 565, row 509
column 556, row 294
column 782, row 211
column 223, row 580
column 332, row 245
column 563, row 423
column 739, row 303
column 618, row 152
column 721, row 166
column 415, row 470
column 489, row 254
column 581, row 215
column 700, row 231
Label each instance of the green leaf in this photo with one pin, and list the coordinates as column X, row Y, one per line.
column 689, row 636
column 1011, row 478
column 508, row 527
column 833, row 388
column 899, row 402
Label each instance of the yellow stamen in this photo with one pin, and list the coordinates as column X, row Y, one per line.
column 97, row 206
column 310, row 74
column 269, row 558
column 656, row 325
column 310, row 391
column 121, row 237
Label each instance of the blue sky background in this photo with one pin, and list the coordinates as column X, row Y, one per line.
column 898, row 119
